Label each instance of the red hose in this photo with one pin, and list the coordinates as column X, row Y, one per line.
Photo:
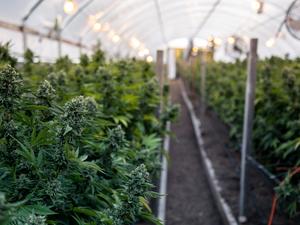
column 274, row 201
column 272, row 214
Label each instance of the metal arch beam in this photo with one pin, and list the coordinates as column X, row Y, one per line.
column 154, row 42
column 206, row 18
column 106, row 15
column 174, row 5
column 31, row 10
column 108, row 9
column 125, row 28
column 72, row 17
column 261, row 33
column 177, row 5
column 24, row 20
column 160, row 20
column 137, row 13
column 145, row 21
column 152, row 31
column 89, row 29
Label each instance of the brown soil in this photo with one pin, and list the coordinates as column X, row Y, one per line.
column 189, row 200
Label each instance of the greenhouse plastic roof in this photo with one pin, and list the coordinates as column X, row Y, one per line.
column 127, row 27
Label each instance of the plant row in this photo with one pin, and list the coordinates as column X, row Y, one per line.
column 79, row 143
column 276, row 131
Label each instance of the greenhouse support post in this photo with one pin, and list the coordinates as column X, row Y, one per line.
column 160, row 74
column 248, row 125
column 193, row 73
column 59, row 43
column 80, row 46
column 24, row 37
column 203, row 81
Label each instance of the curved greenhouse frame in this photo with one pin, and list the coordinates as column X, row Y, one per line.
column 136, row 27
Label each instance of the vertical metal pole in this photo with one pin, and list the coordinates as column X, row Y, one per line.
column 203, row 82
column 159, row 74
column 167, row 71
column 248, row 125
column 59, row 43
column 80, row 46
column 193, row 59
column 24, row 36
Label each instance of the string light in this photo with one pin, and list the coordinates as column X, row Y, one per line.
column 70, row 6
column 143, row 52
column 231, row 40
column 134, row 42
column 218, row 41
column 105, row 27
column 97, row 26
column 195, row 49
column 146, row 51
column 116, row 38
column 111, row 34
column 271, row 42
column 258, row 6
column 149, row 59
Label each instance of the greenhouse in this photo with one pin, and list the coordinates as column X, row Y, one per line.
column 164, row 112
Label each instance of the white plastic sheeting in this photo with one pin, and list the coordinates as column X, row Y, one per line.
column 132, row 27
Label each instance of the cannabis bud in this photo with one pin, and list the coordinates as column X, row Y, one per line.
column 32, row 219
column 74, row 115
column 138, row 183
column 10, row 128
column 57, row 78
column 46, row 91
column 289, row 78
column 91, row 105
column 104, row 73
column 116, row 137
column 10, row 86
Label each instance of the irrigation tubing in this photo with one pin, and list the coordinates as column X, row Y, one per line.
column 275, row 198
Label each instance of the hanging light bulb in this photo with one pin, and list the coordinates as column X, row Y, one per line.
column 134, row 42
column 231, row 40
column 143, row 51
column 97, row 26
column 70, row 6
column 218, row 41
column 146, row 51
column 116, row 38
column 111, row 34
column 141, row 54
column 195, row 49
column 271, row 42
column 149, row 59
column 258, row 6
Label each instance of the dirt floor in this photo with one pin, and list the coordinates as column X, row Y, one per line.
column 226, row 163
column 189, row 200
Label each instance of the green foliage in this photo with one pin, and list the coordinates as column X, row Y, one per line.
column 5, row 57
column 276, row 124
column 79, row 144
column 28, row 61
column 288, row 194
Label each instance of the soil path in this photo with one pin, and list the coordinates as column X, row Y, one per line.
column 189, row 200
